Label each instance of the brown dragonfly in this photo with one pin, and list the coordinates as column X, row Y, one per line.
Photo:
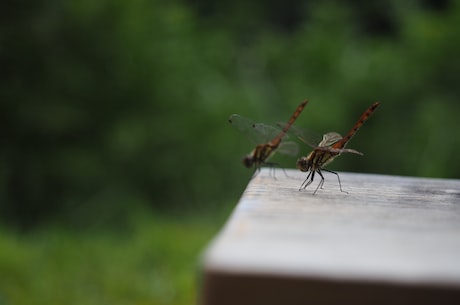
column 331, row 146
column 270, row 137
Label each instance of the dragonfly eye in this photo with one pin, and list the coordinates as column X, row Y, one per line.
column 248, row 161
column 302, row 164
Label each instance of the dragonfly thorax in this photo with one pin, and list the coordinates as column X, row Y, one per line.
column 306, row 164
column 259, row 155
column 316, row 160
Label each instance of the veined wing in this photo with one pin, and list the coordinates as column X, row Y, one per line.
column 338, row 150
column 258, row 133
column 311, row 138
column 261, row 133
column 329, row 139
column 308, row 137
column 289, row 148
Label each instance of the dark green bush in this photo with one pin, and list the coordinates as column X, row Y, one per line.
column 108, row 105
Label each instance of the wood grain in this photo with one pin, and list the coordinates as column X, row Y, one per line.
column 391, row 239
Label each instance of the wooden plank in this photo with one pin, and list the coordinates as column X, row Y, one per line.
column 390, row 240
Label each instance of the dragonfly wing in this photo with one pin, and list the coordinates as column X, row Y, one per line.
column 306, row 136
column 332, row 138
column 329, row 139
column 256, row 132
column 268, row 132
column 289, row 148
column 339, row 150
column 346, row 150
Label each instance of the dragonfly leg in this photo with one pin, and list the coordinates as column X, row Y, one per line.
column 338, row 178
column 320, row 184
column 256, row 172
column 310, row 177
column 272, row 166
column 271, row 170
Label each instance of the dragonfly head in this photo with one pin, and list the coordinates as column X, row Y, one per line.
column 248, row 161
column 304, row 164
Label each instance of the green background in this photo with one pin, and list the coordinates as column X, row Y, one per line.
column 117, row 163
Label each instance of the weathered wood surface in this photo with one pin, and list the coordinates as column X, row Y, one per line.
column 390, row 240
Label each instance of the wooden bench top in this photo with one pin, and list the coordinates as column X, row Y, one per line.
column 390, row 240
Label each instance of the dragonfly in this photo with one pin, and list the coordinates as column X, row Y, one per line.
column 271, row 136
column 330, row 147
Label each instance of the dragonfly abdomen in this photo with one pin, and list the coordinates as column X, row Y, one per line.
column 276, row 141
column 364, row 117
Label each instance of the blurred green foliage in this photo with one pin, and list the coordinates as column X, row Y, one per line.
column 143, row 265
column 111, row 105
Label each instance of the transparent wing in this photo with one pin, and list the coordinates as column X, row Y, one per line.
column 339, row 150
column 329, row 139
column 349, row 150
column 269, row 132
column 308, row 137
column 258, row 133
column 289, row 148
